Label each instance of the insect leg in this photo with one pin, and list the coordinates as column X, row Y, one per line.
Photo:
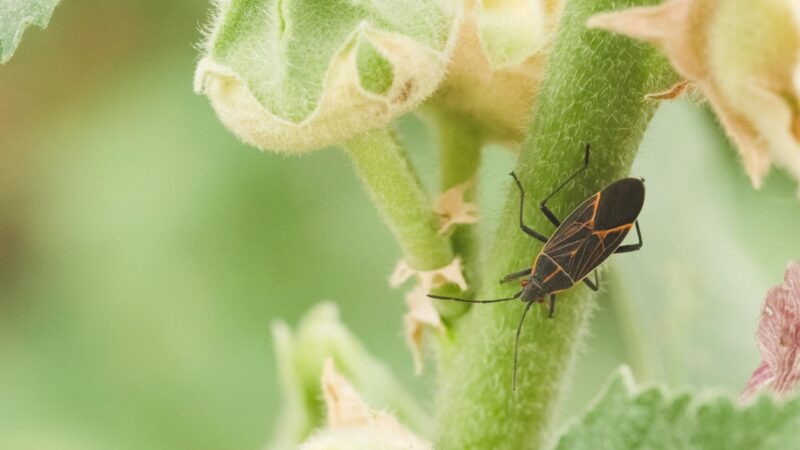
column 456, row 299
column 516, row 346
column 592, row 285
column 543, row 205
column 631, row 247
column 552, row 309
column 530, row 231
column 515, row 275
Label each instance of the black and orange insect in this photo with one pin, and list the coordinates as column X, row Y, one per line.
column 587, row 237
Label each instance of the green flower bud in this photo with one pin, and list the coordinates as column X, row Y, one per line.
column 352, row 425
column 499, row 62
column 301, row 355
column 294, row 75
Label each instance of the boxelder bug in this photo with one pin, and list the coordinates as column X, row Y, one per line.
column 588, row 236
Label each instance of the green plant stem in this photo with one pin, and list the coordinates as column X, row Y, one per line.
column 460, row 143
column 395, row 189
column 593, row 92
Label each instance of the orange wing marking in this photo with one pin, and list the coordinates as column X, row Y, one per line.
column 552, row 274
column 601, row 246
column 559, row 269
column 596, row 207
column 602, row 234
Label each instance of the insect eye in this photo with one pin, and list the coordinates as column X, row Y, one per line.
column 524, row 282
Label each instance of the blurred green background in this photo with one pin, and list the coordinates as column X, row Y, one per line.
column 144, row 251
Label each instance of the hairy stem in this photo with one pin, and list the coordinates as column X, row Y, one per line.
column 387, row 175
column 460, row 143
column 593, row 92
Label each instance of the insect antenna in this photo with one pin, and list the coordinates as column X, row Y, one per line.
column 464, row 300
column 516, row 347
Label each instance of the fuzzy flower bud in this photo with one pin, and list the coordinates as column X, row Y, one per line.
column 352, row 425
column 499, row 62
column 744, row 56
column 297, row 75
column 301, row 354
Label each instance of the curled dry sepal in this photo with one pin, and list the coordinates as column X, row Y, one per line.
column 453, row 209
column 421, row 312
column 779, row 338
column 421, row 315
column 744, row 56
column 352, row 425
column 297, row 75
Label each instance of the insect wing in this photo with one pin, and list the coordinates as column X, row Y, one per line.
column 595, row 229
column 567, row 248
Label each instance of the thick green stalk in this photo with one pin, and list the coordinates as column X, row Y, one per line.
column 387, row 175
column 593, row 92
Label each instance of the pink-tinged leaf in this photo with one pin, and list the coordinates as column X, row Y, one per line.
column 779, row 338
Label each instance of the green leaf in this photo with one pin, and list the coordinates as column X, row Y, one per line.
column 625, row 417
column 15, row 16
